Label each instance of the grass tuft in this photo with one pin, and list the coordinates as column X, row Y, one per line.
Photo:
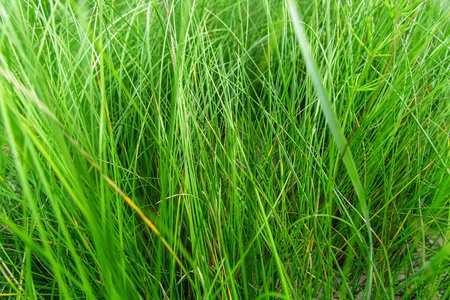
column 224, row 149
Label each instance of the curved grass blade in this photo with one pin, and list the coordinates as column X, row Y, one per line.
column 335, row 129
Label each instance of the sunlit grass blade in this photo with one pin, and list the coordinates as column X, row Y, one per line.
column 336, row 131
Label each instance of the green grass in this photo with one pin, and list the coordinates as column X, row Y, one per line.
column 224, row 149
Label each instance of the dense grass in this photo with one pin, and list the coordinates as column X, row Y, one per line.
column 224, row 149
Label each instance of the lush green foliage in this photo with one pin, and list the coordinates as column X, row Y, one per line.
column 224, row 149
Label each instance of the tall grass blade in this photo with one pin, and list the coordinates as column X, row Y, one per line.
column 336, row 131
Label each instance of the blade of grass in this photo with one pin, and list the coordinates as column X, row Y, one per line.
column 336, row 131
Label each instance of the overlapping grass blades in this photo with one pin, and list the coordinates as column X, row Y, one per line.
column 190, row 149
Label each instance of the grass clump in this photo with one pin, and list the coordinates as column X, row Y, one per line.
column 224, row 149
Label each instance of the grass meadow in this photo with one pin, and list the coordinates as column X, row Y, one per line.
column 224, row 149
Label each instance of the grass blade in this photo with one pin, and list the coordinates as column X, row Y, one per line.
column 335, row 129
